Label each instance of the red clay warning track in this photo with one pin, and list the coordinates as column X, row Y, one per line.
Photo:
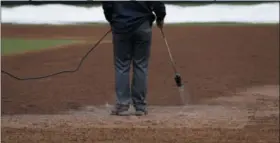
column 215, row 62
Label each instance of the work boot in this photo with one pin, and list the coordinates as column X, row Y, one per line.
column 120, row 110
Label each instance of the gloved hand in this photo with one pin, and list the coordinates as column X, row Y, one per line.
column 160, row 23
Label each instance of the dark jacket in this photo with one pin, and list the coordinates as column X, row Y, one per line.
column 126, row 16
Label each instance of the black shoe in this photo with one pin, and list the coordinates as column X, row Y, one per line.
column 120, row 110
column 141, row 112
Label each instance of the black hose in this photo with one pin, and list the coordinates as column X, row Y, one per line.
column 61, row 72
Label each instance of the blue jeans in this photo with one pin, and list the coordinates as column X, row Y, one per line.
column 132, row 48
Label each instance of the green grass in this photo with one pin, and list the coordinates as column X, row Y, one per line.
column 167, row 24
column 17, row 45
column 154, row 24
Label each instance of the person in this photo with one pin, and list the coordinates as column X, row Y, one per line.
column 131, row 24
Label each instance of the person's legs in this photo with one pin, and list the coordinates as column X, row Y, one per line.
column 122, row 60
column 141, row 53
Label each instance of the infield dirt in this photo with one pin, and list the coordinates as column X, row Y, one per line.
column 230, row 72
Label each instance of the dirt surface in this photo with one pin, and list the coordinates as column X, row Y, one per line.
column 231, row 76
